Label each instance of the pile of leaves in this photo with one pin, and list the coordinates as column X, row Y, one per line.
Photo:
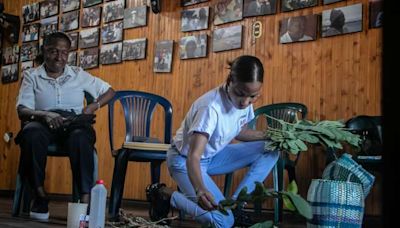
column 261, row 193
column 129, row 220
column 294, row 137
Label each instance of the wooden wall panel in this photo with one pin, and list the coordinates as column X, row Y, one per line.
column 336, row 77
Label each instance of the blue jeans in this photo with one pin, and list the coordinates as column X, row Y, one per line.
column 231, row 158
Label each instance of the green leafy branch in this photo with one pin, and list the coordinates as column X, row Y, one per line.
column 261, row 193
column 294, row 137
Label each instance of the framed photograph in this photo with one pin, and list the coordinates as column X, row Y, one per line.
column 375, row 13
column 87, row 3
column 31, row 12
column 10, row 55
column 227, row 38
column 342, row 20
column 69, row 5
column 289, row 5
column 135, row 17
column 191, row 2
column 9, row 73
column 29, row 51
column 134, row 49
column 113, row 11
column 30, row 32
column 163, row 56
column 48, row 25
column 228, row 11
column 72, row 58
column 89, row 38
column 112, row 32
column 26, row 65
column 111, row 53
column 74, row 40
column 48, row 8
column 193, row 46
column 326, row 2
column 194, row 19
column 91, row 16
column 253, row 8
column 89, row 58
column 298, row 29
column 70, row 21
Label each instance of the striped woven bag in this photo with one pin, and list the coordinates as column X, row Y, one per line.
column 335, row 204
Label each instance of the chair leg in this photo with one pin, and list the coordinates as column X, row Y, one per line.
column 228, row 184
column 278, row 186
column 155, row 167
column 118, row 182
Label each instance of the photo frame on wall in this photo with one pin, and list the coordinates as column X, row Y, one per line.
column 89, row 38
column 74, row 37
column 290, row 5
column 48, row 8
column 228, row 11
column 69, row 5
column 134, row 49
column 70, row 21
column 31, row 12
column 326, row 2
column 193, row 46
column 29, row 51
column 375, row 13
column 342, row 20
column 163, row 56
column 228, row 38
column 91, row 16
column 26, row 65
column 298, row 29
column 191, row 2
column 72, row 58
column 135, row 17
column 48, row 25
column 111, row 53
column 10, row 55
column 194, row 19
column 30, row 32
column 112, row 32
column 253, row 8
column 9, row 73
column 89, row 58
column 113, row 11
column 88, row 3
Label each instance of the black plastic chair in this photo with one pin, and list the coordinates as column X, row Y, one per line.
column 138, row 108
column 287, row 112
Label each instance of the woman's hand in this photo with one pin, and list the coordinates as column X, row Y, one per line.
column 206, row 200
column 90, row 109
column 53, row 120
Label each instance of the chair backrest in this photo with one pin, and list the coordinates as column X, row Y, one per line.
column 370, row 130
column 286, row 111
column 138, row 108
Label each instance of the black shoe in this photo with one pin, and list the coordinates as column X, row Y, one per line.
column 40, row 209
column 242, row 218
column 159, row 206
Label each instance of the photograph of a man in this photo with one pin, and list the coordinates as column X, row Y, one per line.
column 297, row 29
column 342, row 20
column 259, row 7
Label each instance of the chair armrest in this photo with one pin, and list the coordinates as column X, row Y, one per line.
column 146, row 146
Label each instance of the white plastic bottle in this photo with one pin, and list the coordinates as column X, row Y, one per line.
column 98, row 199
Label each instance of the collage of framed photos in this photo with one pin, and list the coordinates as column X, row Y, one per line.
column 103, row 43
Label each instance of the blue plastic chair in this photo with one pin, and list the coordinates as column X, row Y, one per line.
column 288, row 112
column 138, row 108
column 22, row 192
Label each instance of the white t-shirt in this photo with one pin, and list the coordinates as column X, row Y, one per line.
column 213, row 114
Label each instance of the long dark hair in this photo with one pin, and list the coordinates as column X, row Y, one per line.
column 246, row 68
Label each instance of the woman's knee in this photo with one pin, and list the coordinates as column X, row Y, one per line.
column 223, row 221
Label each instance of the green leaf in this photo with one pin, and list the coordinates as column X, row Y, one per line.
column 242, row 194
column 266, row 224
column 302, row 206
column 292, row 187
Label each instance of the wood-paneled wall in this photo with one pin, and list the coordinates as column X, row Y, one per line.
column 336, row 77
